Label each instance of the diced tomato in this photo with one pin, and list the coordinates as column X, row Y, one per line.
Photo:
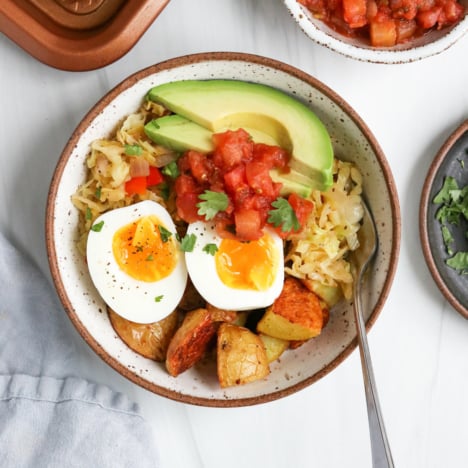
column 186, row 205
column 225, row 228
column 355, row 13
column 258, row 177
column 155, row 177
column 383, row 33
column 186, row 184
column 235, row 179
column 201, row 167
column 302, row 207
column 453, row 11
column 372, row 10
column 428, row 19
column 317, row 7
column 136, row 186
column 248, row 224
column 273, row 156
column 232, row 148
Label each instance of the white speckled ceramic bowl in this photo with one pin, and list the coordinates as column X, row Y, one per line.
column 297, row 368
column 429, row 44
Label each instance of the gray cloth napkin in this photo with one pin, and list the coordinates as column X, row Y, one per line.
column 48, row 416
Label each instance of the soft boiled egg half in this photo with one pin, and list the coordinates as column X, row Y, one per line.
column 232, row 274
column 135, row 261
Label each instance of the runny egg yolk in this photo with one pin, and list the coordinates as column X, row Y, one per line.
column 145, row 250
column 249, row 265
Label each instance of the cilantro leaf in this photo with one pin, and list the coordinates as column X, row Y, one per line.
column 97, row 227
column 89, row 213
column 213, row 202
column 459, row 262
column 171, row 170
column 187, row 243
column 164, row 233
column 158, row 298
column 443, row 195
column 283, row 215
column 210, row 248
column 133, row 150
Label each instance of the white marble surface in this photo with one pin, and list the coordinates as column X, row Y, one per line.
column 419, row 343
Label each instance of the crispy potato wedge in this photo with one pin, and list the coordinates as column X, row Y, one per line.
column 190, row 341
column 241, row 356
column 274, row 347
column 151, row 340
column 295, row 315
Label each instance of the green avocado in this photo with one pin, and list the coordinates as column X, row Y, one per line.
column 180, row 134
column 218, row 105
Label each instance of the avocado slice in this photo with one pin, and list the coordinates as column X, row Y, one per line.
column 218, row 105
column 180, row 134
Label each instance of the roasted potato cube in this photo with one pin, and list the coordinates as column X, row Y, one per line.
column 331, row 295
column 151, row 340
column 274, row 347
column 241, row 356
column 295, row 315
column 190, row 341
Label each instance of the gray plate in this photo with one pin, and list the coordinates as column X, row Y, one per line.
column 453, row 285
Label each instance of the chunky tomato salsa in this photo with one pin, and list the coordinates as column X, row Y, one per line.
column 385, row 23
column 237, row 175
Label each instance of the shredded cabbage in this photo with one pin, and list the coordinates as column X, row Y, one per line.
column 109, row 169
column 319, row 253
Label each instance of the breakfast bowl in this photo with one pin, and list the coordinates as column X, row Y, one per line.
column 350, row 141
column 418, row 39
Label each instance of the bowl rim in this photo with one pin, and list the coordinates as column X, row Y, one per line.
column 193, row 59
column 424, row 220
column 375, row 55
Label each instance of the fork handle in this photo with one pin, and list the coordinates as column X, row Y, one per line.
column 381, row 454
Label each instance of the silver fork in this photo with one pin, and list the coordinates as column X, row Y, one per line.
column 381, row 454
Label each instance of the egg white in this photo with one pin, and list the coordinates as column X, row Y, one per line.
column 132, row 299
column 201, row 268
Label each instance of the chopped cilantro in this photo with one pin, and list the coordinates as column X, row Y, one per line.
column 459, row 262
column 133, row 150
column 188, row 242
column 97, row 193
column 453, row 210
column 283, row 215
column 210, row 249
column 88, row 214
column 171, row 170
column 97, row 227
column 165, row 234
column 158, row 298
column 149, row 258
column 212, row 203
